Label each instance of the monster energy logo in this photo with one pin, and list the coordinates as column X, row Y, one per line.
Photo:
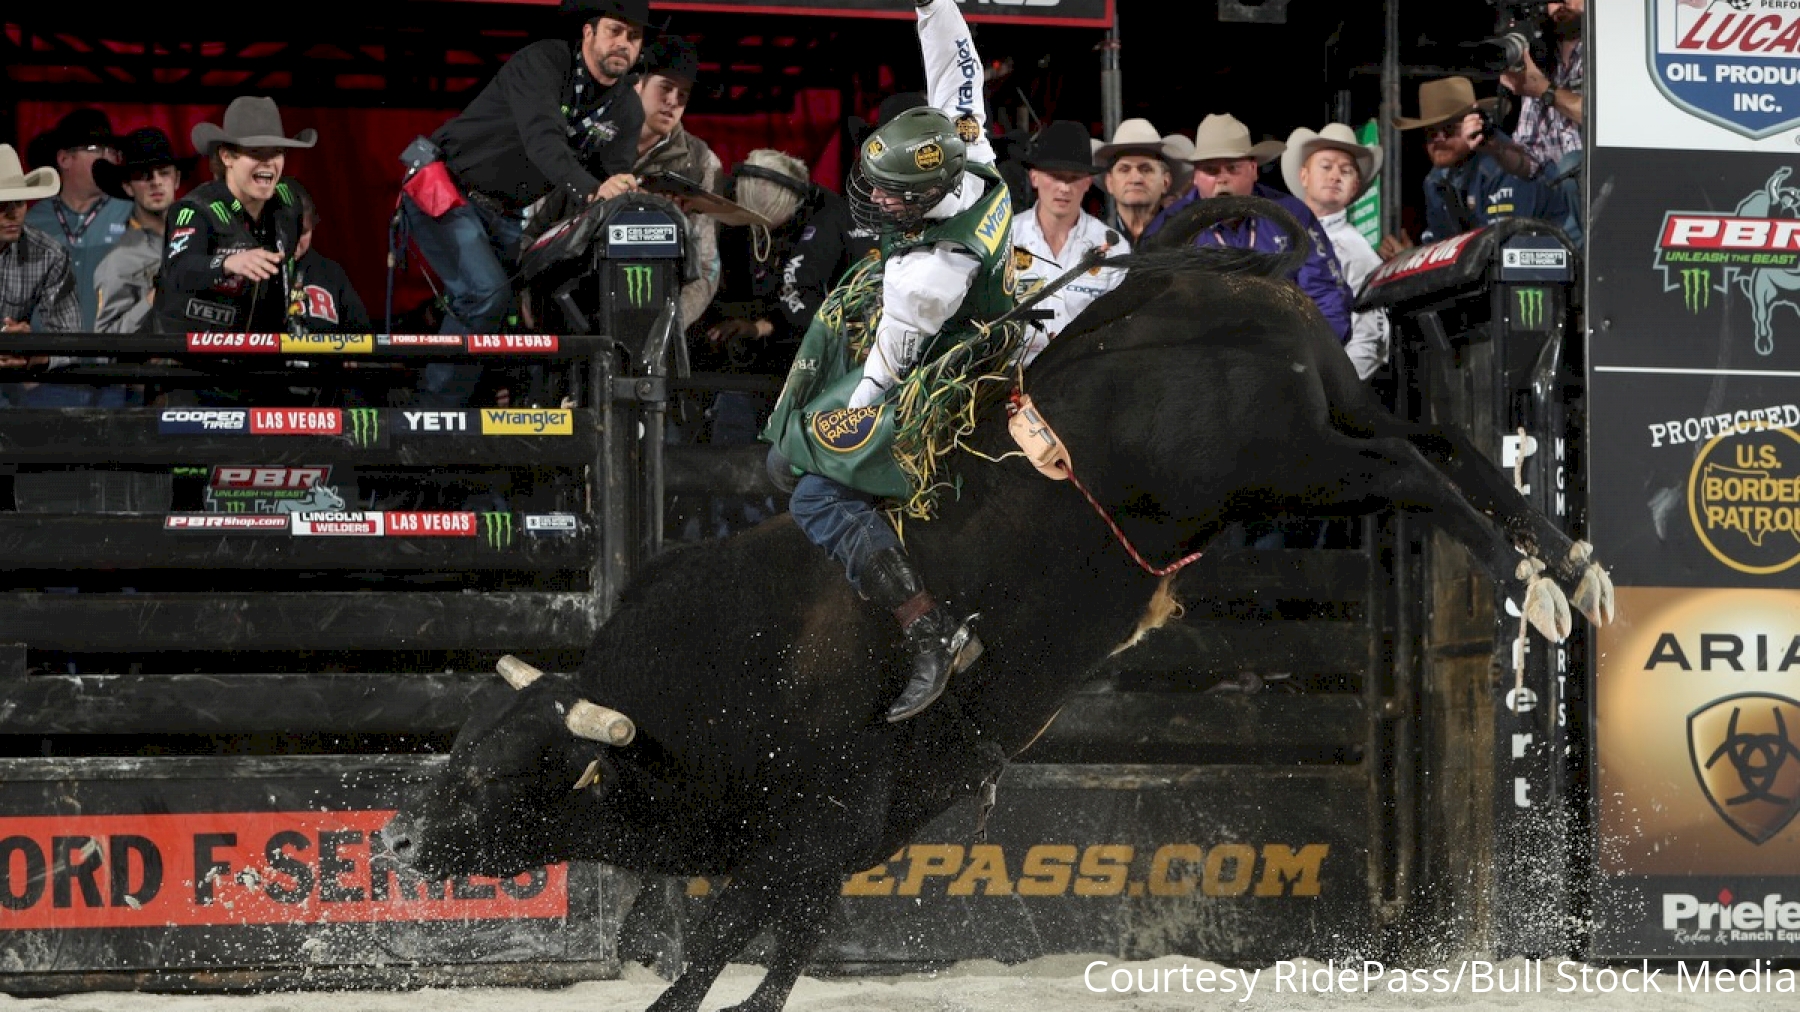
column 637, row 285
column 1531, row 308
column 190, row 472
column 219, row 212
column 365, row 425
column 183, row 216
column 497, row 529
column 1696, row 289
column 235, row 506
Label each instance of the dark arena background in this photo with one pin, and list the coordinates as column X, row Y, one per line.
column 1348, row 752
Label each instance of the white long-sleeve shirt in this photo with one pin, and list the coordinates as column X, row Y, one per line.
column 1369, row 335
column 923, row 289
column 1088, row 233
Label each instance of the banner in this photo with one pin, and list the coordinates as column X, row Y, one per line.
column 1694, row 476
column 1072, row 13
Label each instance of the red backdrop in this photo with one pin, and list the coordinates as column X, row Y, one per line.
column 354, row 172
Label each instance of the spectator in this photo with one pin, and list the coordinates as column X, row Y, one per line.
column 1467, row 187
column 670, row 69
column 82, row 218
column 560, row 116
column 1225, row 162
column 1549, row 129
column 1137, row 176
column 150, row 177
column 232, row 241
column 1057, row 233
column 36, row 284
column 1329, row 170
column 324, row 300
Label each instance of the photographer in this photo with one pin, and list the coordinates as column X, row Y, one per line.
column 1549, row 129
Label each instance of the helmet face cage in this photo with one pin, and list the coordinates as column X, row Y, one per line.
column 899, row 208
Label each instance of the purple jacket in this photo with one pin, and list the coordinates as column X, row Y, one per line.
column 1319, row 277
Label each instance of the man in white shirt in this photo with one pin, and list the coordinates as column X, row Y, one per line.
column 1058, row 233
column 1329, row 170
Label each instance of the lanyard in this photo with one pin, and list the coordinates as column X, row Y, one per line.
column 86, row 219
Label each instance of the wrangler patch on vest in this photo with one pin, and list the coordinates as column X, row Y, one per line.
column 845, row 430
column 996, row 224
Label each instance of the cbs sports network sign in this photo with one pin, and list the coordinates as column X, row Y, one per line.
column 1693, row 328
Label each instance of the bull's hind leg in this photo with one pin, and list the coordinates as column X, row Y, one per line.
column 1394, row 469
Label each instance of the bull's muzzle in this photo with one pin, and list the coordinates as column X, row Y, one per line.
column 584, row 720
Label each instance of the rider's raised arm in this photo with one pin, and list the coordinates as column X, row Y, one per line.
column 953, row 74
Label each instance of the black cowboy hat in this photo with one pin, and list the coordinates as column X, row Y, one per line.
column 1062, row 146
column 635, row 11
column 78, row 129
column 673, row 57
column 891, row 106
column 142, row 150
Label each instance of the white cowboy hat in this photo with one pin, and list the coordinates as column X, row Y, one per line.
column 250, row 122
column 17, row 184
column 1134, row 136
column 1303, row 142
column 1178, row 148
column 1222, row 135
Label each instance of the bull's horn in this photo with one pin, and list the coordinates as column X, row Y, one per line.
column 517, row 673
column 598, row 723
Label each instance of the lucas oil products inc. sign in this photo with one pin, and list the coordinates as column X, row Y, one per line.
column 1718, row 75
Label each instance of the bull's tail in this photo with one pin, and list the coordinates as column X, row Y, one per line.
column 1171, row 249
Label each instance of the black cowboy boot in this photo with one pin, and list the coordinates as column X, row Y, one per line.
column 941, row 645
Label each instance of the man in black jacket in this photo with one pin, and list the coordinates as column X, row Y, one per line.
column 560, row 115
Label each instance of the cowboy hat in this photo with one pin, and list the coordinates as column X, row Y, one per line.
column 1442, row 101
column 1061, row 146
column 1336, row 136
column 674, row 58
column 141, row 150
column 17, row 184
column 250, row 122
column 636, row 12
column 1177, row 148
column 1223, row 135
column 1132, row 137
column 78, row 129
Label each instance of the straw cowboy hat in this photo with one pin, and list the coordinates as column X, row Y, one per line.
column 1442, row 101
column 1336, row 136
column 1177, row 147
column 1133, row 137
column 250, row 122
column 1223, row 135
column 17, row 184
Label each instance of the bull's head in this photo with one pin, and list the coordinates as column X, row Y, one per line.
column 516, row 780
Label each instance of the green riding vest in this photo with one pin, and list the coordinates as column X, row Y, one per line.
column 811, row 424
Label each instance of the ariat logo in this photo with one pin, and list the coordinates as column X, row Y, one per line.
column 1531, row 308
column 638, row 281
column 929, row 156
column 1696, row 289
column 1747, row 761
column 365, row 425
column 497, row 529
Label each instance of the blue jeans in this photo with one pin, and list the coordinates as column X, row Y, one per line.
column 1570, row 189
column 842, row 521
column 471, row 249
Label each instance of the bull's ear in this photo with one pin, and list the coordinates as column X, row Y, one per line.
column 598, row 723
column 590, row 776
column 517, row 673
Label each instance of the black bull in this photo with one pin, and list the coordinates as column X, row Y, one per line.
column 1189, row 398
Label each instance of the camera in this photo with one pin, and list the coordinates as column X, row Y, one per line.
column 1518, row 32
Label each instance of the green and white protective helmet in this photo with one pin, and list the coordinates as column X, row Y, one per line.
column 906, row 168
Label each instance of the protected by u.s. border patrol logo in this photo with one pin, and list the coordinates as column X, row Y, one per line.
column 968, row 129
column 929, row 155
column 845, row 430
column 1744, row 500
column 1747, row 761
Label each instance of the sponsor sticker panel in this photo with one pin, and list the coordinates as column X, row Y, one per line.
column 1694, row 480
column 1698, row 772
column 1697, row 75
column 1697, row 263
column 338, row 525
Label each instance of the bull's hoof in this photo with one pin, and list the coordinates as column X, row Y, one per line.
column 1594, row 596
column 1548, row 610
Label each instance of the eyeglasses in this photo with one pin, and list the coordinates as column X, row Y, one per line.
column 98, row 149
